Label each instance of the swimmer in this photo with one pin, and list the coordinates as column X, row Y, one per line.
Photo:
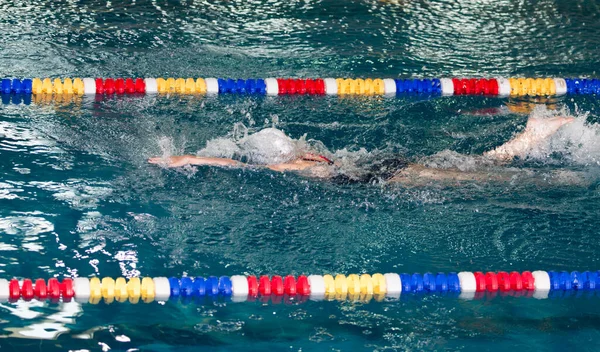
column 272, row 149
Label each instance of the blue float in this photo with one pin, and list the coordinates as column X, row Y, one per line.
column 5, row 86
column 212, row 286
column 225, row 287
column 406, row 282
column 565, row 281
column 436, row 85
column 174, row 285
column 261, row 86
column 416, row 282
column 199, row 287
column 453, row 282
column 186, row 287
column 554, row 282
column 441, row 282
column 570, row 85
column 576, row 280
column 429, row 282
column 27, row 86
column 15, row 86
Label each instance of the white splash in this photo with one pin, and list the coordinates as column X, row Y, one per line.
column 220, row 148
column 168, row 148
column 577, row 142
column 267, row 146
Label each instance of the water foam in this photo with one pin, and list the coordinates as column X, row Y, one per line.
column 267, row 146
column 577, row 143
column 168, row 148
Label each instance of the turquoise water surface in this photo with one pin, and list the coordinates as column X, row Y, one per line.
column 77, row 197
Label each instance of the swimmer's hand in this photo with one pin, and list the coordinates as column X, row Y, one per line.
column 536, row 131
column 172, row 161
column 183, row 160
column 540, row 129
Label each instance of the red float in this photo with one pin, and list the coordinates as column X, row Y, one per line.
column 277, row 285
column 289, row 285
column 264, row 285
column 528, row 280
column 516, row 282
column 27, row 290
column 463, row 86
column 503, row 281
column 67, row 289
column 491, row 281
column 291, row 86
column 252, row 286
column 282, row 86
column 109, row 86
column 484, row 86
column 120, row 86
column 311, row 87
column 320, row 86
column 457, row 86
column 479, row 281
column 14, row 291
column 481, row 86
column 53, row 288
column 302, row 286
column 493, row 84
column 470, row 87
column 492, row 87
column 40, row 290
column 99, row 86
column 129, row 86
column 140, row 85
column 300, row 86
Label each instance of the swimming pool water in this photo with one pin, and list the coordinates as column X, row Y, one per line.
column 78, row 198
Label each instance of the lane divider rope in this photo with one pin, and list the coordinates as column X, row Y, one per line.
column 291, row 86
column 354, row 287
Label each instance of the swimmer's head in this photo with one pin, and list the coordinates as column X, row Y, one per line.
column 269, row 146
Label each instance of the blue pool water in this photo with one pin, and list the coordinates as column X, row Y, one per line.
column 78, row 198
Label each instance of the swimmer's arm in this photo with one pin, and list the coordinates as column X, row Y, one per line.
column 419, row 175
column 536, row 131
column 182, row 160
column 416, row 174
column 297, row 165
column 518, row 146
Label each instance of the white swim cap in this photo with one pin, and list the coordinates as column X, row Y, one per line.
column 268, row 146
